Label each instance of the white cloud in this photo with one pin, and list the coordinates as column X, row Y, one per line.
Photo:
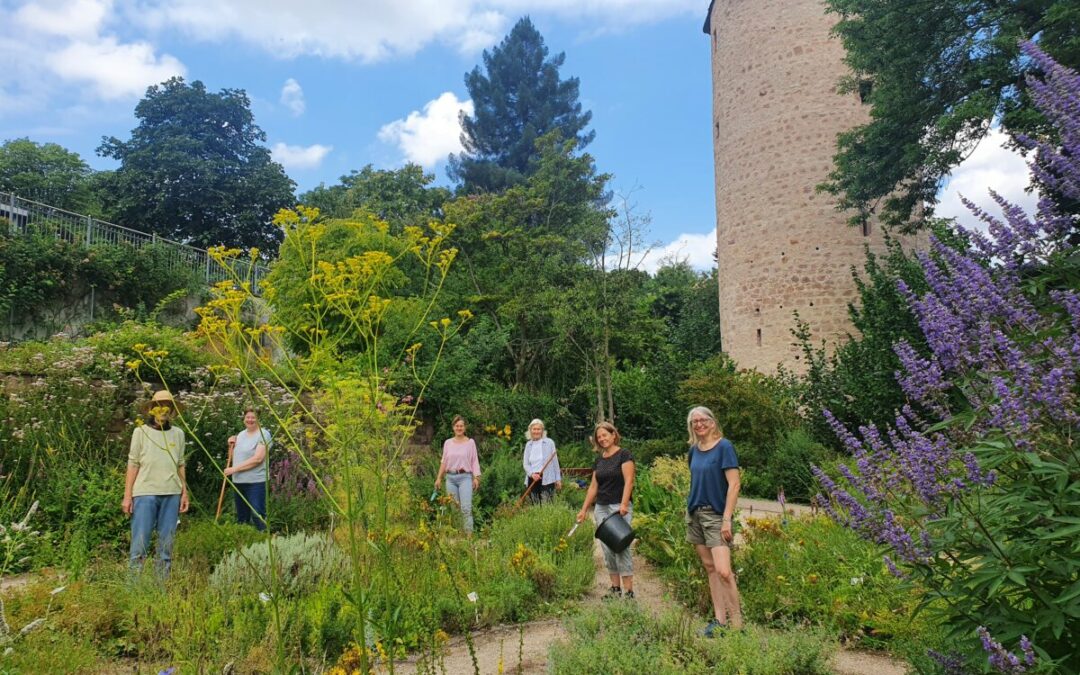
column 70, row 44
column 292, row 97
column 298, row 156
column 427, row 137
column 376, row 30
column 74, row 19
column 114, row 70
column 990, row 166
column 696, row 249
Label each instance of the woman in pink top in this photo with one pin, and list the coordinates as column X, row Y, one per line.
column 461, row 466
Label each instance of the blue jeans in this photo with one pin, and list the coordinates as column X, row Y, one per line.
column 149, row 513
column 459, row 485
column 252, row 511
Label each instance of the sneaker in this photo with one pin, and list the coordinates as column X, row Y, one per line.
column 713, row 629
column 629, row 595
column 614, row 593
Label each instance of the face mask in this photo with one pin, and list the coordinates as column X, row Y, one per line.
column 161, row 414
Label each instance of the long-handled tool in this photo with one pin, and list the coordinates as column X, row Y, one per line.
column 532, row 483
column 224, row 481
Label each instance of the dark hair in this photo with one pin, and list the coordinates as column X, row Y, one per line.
column 607, row 426
column 251, row 410
column 457, row 418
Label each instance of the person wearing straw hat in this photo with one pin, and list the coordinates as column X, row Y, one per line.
column 541, row 462
column 155, row 489
column 249, row 471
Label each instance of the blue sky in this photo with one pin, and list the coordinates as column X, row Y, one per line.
column 337, row 84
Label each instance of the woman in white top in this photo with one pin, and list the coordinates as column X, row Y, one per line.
column 541, row 464
column 249, row 471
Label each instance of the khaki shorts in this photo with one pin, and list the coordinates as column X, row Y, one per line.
column 703, row 528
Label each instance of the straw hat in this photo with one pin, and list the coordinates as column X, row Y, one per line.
column 160, row 398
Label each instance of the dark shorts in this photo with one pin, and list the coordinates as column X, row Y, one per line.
column 703, row 528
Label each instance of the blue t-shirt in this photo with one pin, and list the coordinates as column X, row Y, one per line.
column 708, row 484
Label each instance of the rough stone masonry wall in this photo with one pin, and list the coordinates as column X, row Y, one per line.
column 781, row 245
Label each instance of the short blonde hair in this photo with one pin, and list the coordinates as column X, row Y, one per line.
column 700, row 410
column 528, row 429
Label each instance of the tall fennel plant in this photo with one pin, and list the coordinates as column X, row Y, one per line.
column 354, row 408
column 974, row 490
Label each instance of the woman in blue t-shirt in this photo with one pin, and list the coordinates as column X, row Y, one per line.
column 714, row 490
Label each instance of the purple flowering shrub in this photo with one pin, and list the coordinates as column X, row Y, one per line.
column 974, row 490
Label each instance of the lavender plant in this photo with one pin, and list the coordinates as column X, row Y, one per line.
column 974, row 491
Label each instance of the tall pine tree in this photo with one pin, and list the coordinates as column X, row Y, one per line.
column 518, row 98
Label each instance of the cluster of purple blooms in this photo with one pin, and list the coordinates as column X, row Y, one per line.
column 991, row 348
column 289, row 478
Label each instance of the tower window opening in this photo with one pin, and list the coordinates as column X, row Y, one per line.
column 758, row 337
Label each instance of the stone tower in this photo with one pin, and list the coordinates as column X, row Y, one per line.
column 782, row 247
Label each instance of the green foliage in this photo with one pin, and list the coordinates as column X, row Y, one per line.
column 296, row 290
column 194, row 170
column 788, row 465
column 40, row 271
column 687, row 302
column 301, row 563
column 623, row 638
column 750, row 407
column 521, row 252
column 811, row 570
column 47, row 173
column 185, row 364
column 753, row 410
column 518, row 98
column 936, row 76
column 200, row 544
column 400, row 197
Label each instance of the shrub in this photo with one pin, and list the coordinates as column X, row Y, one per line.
column 751, row 408
column 179, row 370
column 622, row 638
column 201, row 543
column 788, row 466
column 811, row 570
column 980, row 506
column 302, row 562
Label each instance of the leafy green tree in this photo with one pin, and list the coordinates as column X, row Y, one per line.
column 518, row 98
column 936, row 74
column 194, row 169
column 47, row 173
column 522, row 249
column 401, row 197
column 686, row 300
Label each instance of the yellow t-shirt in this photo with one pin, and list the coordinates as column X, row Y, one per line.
column 158, row 454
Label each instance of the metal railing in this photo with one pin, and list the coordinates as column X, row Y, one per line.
column 25, row 215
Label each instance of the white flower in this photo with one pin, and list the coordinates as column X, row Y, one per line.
column 58, row 589
column 855, row 581
column 473, row 597
column 265, row 597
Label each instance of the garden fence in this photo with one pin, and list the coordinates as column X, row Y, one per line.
column 25, row 215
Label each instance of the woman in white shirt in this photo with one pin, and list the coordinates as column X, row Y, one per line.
column 249, row 471
column 541, row 464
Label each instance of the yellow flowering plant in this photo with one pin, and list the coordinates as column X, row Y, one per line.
column 342, row 318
